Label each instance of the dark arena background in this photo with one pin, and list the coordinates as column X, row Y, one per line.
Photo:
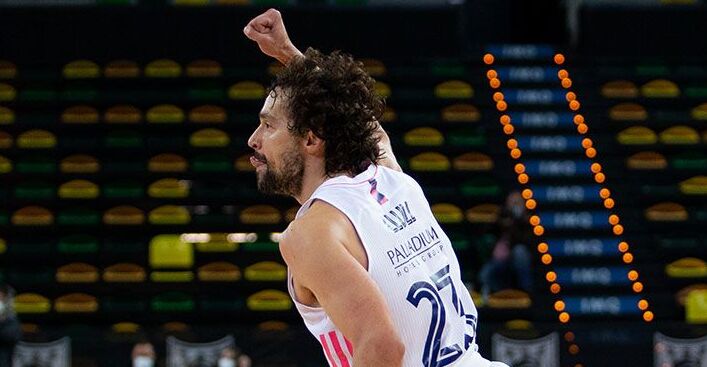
column 561, row 144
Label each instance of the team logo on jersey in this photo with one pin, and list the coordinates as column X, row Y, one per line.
column 399, row 218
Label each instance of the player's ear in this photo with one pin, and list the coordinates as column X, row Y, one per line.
column 313, row 144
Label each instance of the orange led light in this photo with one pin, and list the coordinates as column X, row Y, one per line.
column 498, row 96
column 578, row 119
column 582, row 129
column 570, row 96
column 523, row 178
column 643, row 305
column 505, row 120
column 566, row 83
column 495, row 83
column 613, row 219
column 530, row 204
column 501, row 106
column 527, row 194
column 569, row 337
column 628, row 258
column 648, row 316
column 574, row 349
column 508, row 130
column 551, row 276
column 618, row 229
column 534, row 220
column 512, row 144
column 609, row 203
column 604, row 193
column 491, row 74
column 623, row 246
column 562, row 74
column 515, row 153
column 587, row 143
column 596, row 167
column 559, row 59
column 559, row 306
column 555, row 288
column 488, row 59
column 546, row 259
column 519, row 168
column 574, row 105
column 564, row 317
column 637, row 287
column 591, row 152
column 543, row 248
column 632, row 275
column 599, row 177
column 538, row 230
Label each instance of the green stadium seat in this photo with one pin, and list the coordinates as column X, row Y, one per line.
column 652, row 70
column 211, row 163
column 221, row 304
column 38, row 93
column 38, row 276
column 125, row 246
column 123, row 139
column 172, row 302
column 79, row 93
column 480, row 187
column 34, row 190
column 123, row 189
column 123, row 305
column 689, row 161
column 696, row 92
column 466, row 138
column 206, row 92
column 78, row 217
column 78, row 244
column 261, row 246
column 30, row 246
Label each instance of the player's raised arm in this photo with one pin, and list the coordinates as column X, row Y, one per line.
column 269, row 32
column 318, row 259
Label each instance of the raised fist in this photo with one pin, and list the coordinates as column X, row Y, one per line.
column 269, row 32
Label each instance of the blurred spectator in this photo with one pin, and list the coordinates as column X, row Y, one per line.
column 510, row 263
column 143, row 355
column 232, row 358
column 10, row 330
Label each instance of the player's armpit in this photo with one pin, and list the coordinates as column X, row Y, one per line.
column 315, row 252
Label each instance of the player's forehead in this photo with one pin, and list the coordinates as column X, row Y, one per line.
column 275, row 106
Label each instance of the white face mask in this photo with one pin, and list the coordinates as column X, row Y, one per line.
column 142, row 361
column 226, row 362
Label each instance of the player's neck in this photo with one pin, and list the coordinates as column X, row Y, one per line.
column 314, row 176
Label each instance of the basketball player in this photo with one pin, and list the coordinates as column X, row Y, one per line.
column 369, row 268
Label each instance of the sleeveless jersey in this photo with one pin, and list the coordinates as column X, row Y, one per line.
column 411, row 260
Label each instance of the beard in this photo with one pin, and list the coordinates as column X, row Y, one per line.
column 286, row 181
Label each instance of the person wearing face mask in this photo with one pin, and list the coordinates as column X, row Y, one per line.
column 143, row 355
column 230, row 358
column 510, row 263
column 10, row 331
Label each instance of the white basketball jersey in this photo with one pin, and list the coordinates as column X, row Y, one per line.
column 411, row 260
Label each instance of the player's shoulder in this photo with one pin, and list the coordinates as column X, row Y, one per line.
column 322, row 223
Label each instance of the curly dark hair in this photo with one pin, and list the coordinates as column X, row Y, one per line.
column 333, row 96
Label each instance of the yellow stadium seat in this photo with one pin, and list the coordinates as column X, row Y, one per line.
column 473, row 162
column 660, row 88
column 700, row 112
column 172, row 276
column 122, row 69
column 619, row 89
column 81, row 69
column 509, row 298
column 169, row 188
column 681, row 295
column 266, row 271
column 163, row 68
column 168, row 162
column 32, row 303
column 260, row 214
column 217, row 242
column 76, row 302
column 461, row 113
column 79, row 189
column 628, row 112
column 666, row 212
column 77, row 273
column 209, row 138
column 32, row 216
column 454, row 89
column 246, row 90
column 680, row 135
column 204, row 69
column 165, row 114
column 483, row 213
column 3, row 246
column 382, row 89
column 124, row 215
column 125, row 328
column 7, row 92
column 374, row 68
column 7, row 116
column 79, row 163
column 219, row 271
column 123, row 114
column 36, row 139
column 6, row 140
column 269, row 300
column 169, row 215
column 208, row 115
column 124, row 273
column 423, row 136
column 8, row 70
column 647, row 161
column 5, row 165
column 447, row 213
column 694, row 186
column 389, row 115
column 242, row 164
column 637, row 135
column 687, row 267
column 696, row 307
column 430, row 161
column 170, row 251
column 291, row 213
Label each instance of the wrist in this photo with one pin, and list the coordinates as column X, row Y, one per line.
column 288, row 53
